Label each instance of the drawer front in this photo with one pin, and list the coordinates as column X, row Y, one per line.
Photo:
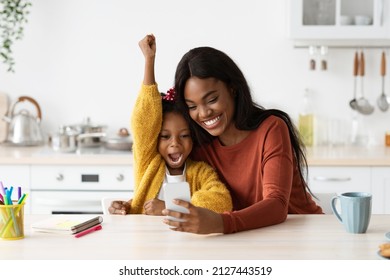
column 381, row 190
column 82, row 177
column 339, row 179
column 15, row 175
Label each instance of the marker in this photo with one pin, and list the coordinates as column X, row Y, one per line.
column 2, row 187
column 22, row 198
column 89, row 230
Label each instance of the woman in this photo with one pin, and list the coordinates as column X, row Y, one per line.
column 257, row 152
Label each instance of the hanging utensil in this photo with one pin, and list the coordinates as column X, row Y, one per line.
column 363, row 105
column 382, row 101
column 353, row 102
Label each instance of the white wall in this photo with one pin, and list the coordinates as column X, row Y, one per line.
column 80, row 58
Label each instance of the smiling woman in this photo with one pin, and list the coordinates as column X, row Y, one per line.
column 257, row 152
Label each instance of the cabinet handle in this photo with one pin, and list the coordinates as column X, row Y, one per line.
column 380, row 8
column 120, row 177
column 331, row 179
column 60, row 177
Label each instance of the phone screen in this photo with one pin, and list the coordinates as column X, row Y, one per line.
column 173, row 191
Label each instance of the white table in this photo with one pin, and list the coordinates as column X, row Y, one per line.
column 139, row 237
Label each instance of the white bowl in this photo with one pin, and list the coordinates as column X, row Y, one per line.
column 346, row 20
column 363, row 20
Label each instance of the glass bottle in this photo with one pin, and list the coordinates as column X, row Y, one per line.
column 306, row 121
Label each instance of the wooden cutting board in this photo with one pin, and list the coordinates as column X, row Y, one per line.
column 4, row 105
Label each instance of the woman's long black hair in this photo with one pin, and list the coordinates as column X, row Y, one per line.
column 207, row 62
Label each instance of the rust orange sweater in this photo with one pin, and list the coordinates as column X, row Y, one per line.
column 262, row 176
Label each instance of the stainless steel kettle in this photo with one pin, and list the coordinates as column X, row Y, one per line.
column 24, row 129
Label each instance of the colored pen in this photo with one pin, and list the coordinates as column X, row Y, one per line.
column 22, row 198
column 2, row 187
column 89, row 230
column 1, row 198
column 19, row 192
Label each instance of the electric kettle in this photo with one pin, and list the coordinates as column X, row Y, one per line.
column 24, row 129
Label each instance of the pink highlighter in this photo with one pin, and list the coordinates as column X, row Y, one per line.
column 89, row 230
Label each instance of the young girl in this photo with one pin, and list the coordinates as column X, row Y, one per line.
column 162, row 144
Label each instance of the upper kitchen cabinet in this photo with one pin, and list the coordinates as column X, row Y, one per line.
column 340, row 22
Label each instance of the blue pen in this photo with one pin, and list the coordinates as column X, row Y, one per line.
column 9, row 200
column 11, row 189
column 19, row 192
column 8, row 194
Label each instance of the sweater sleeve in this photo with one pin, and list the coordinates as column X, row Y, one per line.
column 207, row 190
column 277, row 175
column 146, row 123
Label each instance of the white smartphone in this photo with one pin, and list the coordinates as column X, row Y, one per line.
column 173, row 191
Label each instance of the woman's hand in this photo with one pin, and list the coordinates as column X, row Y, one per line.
column 120, row 207
column 199, row 220
column 154, row 207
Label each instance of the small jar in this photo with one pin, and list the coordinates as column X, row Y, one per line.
column 387, row 139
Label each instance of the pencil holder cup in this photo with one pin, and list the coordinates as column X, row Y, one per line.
column 12, row 221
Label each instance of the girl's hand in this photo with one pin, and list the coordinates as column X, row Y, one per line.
column 148, row 46
column 120, row 207
column 154, row 207
column 199, row 220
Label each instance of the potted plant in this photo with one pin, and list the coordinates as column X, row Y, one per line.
column 13, row 17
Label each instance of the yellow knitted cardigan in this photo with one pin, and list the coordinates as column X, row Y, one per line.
column 149, row 166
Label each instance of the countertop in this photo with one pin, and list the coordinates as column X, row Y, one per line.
column 141, row 237
column 348, row 156
column 316, row 156
column 44, row 155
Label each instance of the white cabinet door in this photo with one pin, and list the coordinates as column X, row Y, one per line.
column 339, row 19
column 17, row 176
column 328, row 179
column 381, row 190
column 80, row 177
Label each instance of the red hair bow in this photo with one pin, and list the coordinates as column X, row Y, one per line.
column 170, row 95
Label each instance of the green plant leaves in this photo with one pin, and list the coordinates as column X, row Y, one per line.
column 13, row 16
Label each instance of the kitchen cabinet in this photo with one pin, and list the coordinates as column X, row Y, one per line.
column 380, row 189
column 81, row 177
column 17, row 176
column 326, row 181
column 339, row 22
column 77, row 189
column 373, row 179
column 331, row 179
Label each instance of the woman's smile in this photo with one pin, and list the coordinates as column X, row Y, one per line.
column 211, row 123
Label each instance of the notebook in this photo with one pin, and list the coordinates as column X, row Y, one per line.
column 67, row 224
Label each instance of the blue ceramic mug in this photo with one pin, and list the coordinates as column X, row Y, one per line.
column 355, row 210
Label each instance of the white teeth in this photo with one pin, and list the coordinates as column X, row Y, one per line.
column 211, row 122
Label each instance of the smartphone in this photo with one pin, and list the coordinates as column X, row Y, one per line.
column 173, row 191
